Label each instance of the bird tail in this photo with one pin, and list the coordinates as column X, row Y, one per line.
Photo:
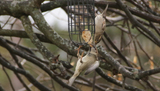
column 71, row 80
column 105, row 10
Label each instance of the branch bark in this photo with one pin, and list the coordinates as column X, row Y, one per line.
column 28, row 28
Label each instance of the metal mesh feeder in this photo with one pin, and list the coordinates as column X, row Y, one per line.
column 80, row 18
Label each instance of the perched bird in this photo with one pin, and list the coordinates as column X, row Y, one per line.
column 100, row 24
column 90, row 62
column 87, row 37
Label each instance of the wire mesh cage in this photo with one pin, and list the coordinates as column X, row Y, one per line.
column 80, row 18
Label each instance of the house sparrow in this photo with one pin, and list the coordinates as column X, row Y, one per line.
column 90, row 62
column 100, row 24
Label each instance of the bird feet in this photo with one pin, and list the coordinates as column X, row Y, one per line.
column 81, row 57
column 78, row 51
column 78, row 54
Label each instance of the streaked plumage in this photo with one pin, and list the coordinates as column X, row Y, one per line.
column 100, row 24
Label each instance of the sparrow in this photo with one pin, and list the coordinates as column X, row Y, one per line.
column 100, row 24
column 90, row 63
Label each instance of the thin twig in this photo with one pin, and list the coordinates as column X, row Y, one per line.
column 119, row 53
column 106, row 45
column 136, row 23
column 135, row 47
column 8, row 79
column 151, row 85
column 145, row 52
column 155, row 28
column 110, row 79
column 6, row 21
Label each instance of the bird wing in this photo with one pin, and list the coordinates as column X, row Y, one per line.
column 92, row 67
column 100, row 25
column 87, row 61
column 98, row 38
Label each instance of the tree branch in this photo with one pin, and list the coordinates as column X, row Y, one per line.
column 23, row 72
column 40, row 65
column 1, row 89
column 28, row 28
column 22, row 34
column 19, row 65
column 115, row 63
column 8, row 78
column 119, row 53
column 64, row 44
column 110, row 79
column 136, row 23
column 146, row 73
column 23, row 83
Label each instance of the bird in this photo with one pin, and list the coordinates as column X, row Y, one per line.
column 87, row 37
column 100, row 24
column 90, row 63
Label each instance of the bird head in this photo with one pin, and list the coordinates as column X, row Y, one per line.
column 93, row 50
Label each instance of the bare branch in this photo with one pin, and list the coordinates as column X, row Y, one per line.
column 101, row 73
column 8, row 78
column 136, row 23
column 34, row 61
column 23, row 72
column 22, row 34
column 43, row 50
column 119, row 53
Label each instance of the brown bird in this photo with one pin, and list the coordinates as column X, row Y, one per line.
column 100, row 24
column 90, row 63
column 87, row 37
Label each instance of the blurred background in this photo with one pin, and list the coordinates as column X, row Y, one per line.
column 58, row 20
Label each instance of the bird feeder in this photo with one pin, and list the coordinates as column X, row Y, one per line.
column 80, row 18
